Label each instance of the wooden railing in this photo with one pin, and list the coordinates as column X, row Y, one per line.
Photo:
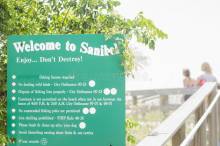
column 205, row 105
column 161, row 94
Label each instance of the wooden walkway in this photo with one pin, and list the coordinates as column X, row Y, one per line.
column 204, row 104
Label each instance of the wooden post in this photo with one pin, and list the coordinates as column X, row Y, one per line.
column 179, row 136
column 218, row 120
column 163, row 104
column 200, row 137
column 216, row 123
column 212, row 129
column 134, row 100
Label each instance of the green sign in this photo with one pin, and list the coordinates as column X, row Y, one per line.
column 65, row 90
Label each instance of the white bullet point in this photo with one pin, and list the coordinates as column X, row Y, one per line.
column 91, row 83
column 85, row 111
column 13, row 132
column 13, row 91
column 13, row 98
column 13, row 84
column 13, row 125
column 14, row 77
column 13, row 117
column 92, row 110
column 13, row 110
column 82, row 125
column 113, row 91
column 107, row 91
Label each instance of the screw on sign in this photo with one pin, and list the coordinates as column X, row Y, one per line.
column 43, row 141
column 12, row 140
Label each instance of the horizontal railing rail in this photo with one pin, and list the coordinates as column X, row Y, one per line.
column 141, row 96
column 162, row 92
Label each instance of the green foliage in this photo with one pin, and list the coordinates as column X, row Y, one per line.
column 130, row 124
column 26, row 17
column 3, row 138
column 76, row 17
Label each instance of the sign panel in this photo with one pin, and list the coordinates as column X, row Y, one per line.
column 65, row 90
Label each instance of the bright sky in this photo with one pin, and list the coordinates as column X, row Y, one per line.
column 193, row 27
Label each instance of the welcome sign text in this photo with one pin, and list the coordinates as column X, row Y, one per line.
column 85, row 47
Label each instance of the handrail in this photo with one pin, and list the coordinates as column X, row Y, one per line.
column 193, row 132
column 175, row 121
column 162, row 92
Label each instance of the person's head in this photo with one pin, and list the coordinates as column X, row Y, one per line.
column 186, row 73
column 206, row 68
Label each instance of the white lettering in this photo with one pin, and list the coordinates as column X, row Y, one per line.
column 103, row 50
column 19, row 46
column 34, row 46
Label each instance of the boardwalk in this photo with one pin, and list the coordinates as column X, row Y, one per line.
column 204, row 104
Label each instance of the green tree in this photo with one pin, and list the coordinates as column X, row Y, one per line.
column 26, row 17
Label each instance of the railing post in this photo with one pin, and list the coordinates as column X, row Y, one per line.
column 134, row 100
column 179, row 136
column 212, row 133
column 212, row 129
column 164, row 103
column 216, row 123
column 218, row 120
column 200, row 137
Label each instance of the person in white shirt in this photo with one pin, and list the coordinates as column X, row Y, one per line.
column 207, row 76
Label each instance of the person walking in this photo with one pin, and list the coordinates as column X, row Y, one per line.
column 207, row 75
column 188, row 82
